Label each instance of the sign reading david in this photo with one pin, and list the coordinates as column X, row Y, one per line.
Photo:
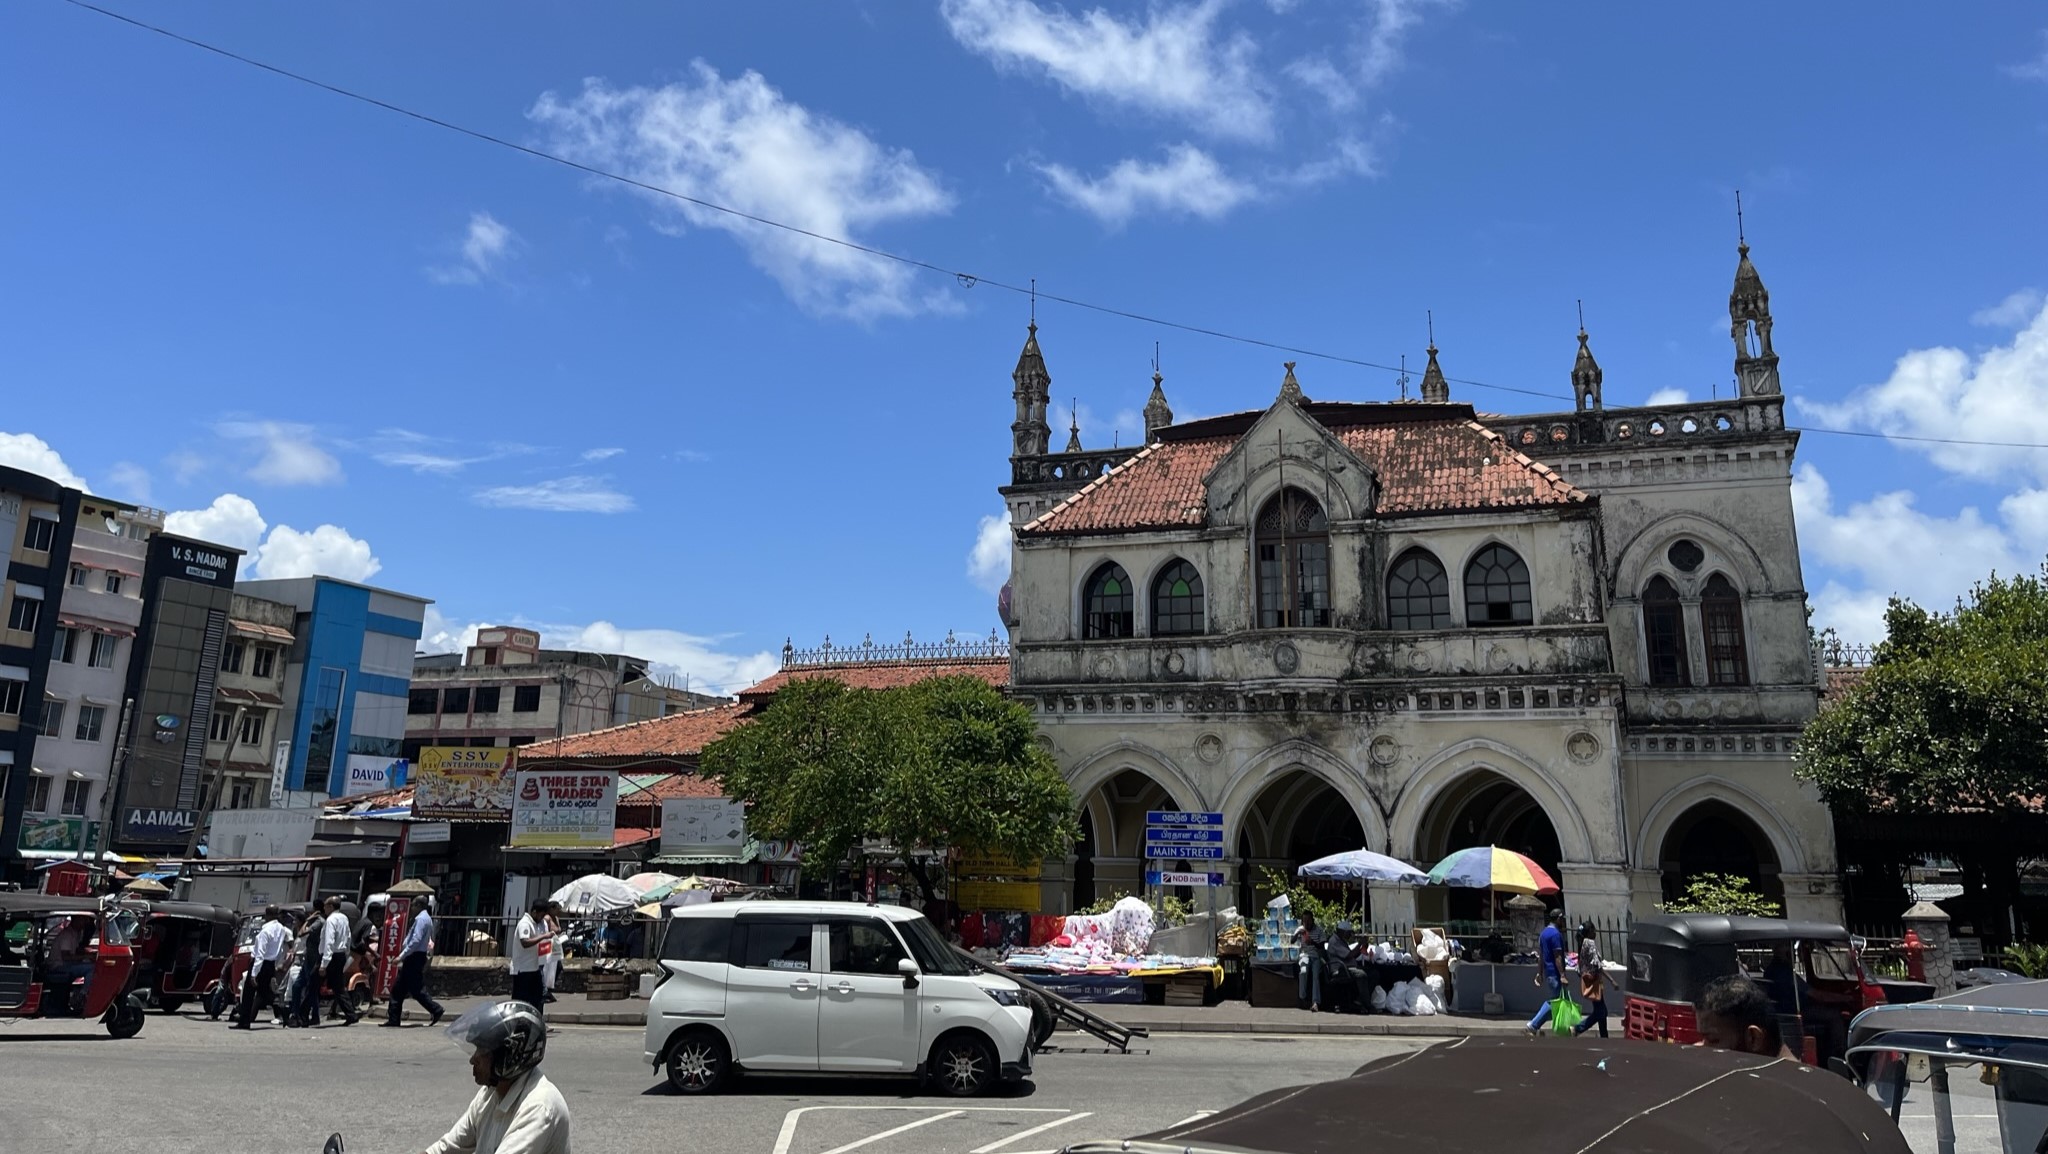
column 564, row 810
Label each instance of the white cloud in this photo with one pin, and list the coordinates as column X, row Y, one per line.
column 988, row 563
column 486, row 245
column 31, row 453
column 601, row 454
column 1188, row 182
column 670, row 653
column 327, row 551
column 406, row 449
column 2012, row 312
column 2035, row 69
column 289, row 455
column 440, row 635
column 1318, row 75
column 1666, row 397
column 231, row 520
column 129, row 481
column 2000, row 395
column 563, row 495
column 1174, row 62
column 742, row 144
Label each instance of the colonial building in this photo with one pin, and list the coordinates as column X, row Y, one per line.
column 1405, row 626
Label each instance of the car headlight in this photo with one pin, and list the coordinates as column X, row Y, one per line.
column 1006, row 997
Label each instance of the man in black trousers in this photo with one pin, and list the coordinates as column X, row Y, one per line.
column 265, row 952
column 412, row 967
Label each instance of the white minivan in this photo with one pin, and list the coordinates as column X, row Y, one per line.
column 828, row 988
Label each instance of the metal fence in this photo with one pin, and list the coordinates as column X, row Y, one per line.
column 490, row 936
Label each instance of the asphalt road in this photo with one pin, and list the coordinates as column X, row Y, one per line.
column 189, row 1084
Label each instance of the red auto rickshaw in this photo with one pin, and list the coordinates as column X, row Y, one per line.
column 68, row 957
column 243, row 961
column 182, row 951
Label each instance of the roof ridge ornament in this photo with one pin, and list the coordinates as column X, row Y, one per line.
column 1586, row 373
column 1435, row 389
column 1290, row 389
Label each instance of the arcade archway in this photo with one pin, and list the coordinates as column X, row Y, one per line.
column 1482, row 808
column 1110, row 857
column 1295, row 819
column 1715, row 837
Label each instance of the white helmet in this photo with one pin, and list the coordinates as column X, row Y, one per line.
column 512, row 1033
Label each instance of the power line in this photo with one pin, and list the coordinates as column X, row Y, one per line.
column 966, row 279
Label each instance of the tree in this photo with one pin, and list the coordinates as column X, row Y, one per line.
column 1722, row 894
column 944, row 763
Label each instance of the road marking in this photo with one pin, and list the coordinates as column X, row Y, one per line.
column 1197, row 1116
column 787, row 1135
column 891, row 1133
column 1020, row 1135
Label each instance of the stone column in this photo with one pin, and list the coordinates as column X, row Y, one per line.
column 1600, row 892
column 1813, row 897
column 1930, row 923
column 1525, row 922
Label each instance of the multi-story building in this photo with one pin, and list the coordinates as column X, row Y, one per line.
column 38, row 518
column 506, row 690
column 249, row 703
column 350, row 663
column 1397, row 625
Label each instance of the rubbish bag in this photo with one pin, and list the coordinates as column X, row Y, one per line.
column 1435, row 984
column 1565, row 1015
column 1432, row 948
column 1379, row 1000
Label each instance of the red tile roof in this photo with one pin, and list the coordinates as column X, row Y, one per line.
column 882, row 675
column 677, row 735
column 667, row 786
column 1429, row 459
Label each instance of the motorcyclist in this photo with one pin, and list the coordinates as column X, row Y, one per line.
column 516, row 1110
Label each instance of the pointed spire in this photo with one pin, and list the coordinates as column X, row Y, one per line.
column 1435, row 390
column 1749, row 321
column 1158, row 414
column 1029, row 434
column 1290, row 389
column 1074, row 428
column 1585, row 370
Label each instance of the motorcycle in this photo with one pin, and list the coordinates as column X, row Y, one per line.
column 333, row 1145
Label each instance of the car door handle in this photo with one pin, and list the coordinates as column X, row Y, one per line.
column 843, row 988
column 801, row 985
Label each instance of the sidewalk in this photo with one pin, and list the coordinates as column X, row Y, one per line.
column 1225, row 1018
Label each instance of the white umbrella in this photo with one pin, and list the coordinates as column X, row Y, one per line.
column 1362, row 866
column 596, row 894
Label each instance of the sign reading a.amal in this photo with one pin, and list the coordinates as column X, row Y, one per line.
column 564, row 810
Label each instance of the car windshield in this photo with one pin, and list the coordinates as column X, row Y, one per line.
column 933, row 955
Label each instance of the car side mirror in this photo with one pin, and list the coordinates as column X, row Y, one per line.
column 333, row 1145
column 908, row 969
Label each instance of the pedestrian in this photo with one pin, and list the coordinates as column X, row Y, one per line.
column 551, row 953
column 413, row 956
column 363, row 952
column 1308, row 982
column 1550, row 968
column 302, row 1006
column 1592, row 980
column 259, row 986
column 1736, row 1014
column 335, row 935
column 531, row 934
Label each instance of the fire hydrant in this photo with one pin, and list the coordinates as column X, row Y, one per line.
column 1916, row 956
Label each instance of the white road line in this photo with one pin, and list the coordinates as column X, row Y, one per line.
column 787, row 1136
column 1197, row 1116
column 892, row 1132
column 1020, row 1135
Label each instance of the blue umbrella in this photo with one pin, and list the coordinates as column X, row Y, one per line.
column 1363, row 865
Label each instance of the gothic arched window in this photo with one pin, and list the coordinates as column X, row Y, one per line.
column 1664, row 633
column 1107, row 603
column 1177, row 601
column 1293, row 546
column 1497, row 588
column 1721, row 621
column 1418, row 593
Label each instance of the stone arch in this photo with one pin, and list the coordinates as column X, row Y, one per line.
column 1665, row 813
column 1477, row 755
column 1244, row 787
column 1643, row 556
column 1094, row 771
column 1333, row 491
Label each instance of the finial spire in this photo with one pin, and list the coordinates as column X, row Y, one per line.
column 1741, row 241
column 1034, row 304
column 1435, row 390
column 1749, row 322
column 1402, row 380
column 1290, row 389
column 1585, row 370
column 1158, row 414
column 1074, row 425
column 1030, row 436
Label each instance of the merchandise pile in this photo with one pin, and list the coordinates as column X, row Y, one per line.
column 1117, row 942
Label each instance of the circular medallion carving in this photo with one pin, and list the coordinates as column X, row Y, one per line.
column 1673, row 709
column 1582, row 746
column 1103, row 667
column 1497, row 658
column 1384, row 751
column 1285, row 658
column 1209, row 748
column 1045, row 743
column 1175, row 663
column 1418, row 660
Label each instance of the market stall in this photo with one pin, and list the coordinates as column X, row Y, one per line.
column 1102, row 958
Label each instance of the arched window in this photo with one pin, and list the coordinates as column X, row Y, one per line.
column 1107, row 604
column 1418, row 593
column 1664, row 633
column 1294, row 562
column 1177, row 601
column 1497, row 588
column 1721, row 620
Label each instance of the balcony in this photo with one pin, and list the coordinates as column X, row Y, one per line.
column 95, row 604
column 1309, row 655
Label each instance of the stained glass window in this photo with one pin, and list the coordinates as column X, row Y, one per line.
column 1177, row 601
column 1107, row 612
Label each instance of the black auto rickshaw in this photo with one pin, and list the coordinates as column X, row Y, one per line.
column 68, row 957
column 182, row 951
column 1902, row 1053
column 1812, row 970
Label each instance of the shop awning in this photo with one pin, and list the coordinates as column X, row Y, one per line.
column 248, row 696
column 747, row 854
column 267, row 632
column 54, row 855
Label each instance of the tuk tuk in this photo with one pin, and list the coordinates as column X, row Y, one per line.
column 243, row 961
column 2000, row 1029
column 1813, row 971
column 68, row 957
column 181, row 950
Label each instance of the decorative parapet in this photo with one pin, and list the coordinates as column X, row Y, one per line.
column 952, row 649
column 1068, row 469
column 1734, row 419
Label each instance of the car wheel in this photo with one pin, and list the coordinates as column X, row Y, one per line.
column 963, row 1065
column 699, row 1063
column 124, row 1019
column 1042, row 1018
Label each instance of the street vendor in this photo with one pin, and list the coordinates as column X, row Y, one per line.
column 1309, row 982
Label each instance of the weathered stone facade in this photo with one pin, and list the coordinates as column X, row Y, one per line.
column 1623, row 706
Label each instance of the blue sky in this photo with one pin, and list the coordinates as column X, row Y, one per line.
column 353, row 342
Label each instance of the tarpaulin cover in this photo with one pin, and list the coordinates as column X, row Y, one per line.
column 1545, row 1096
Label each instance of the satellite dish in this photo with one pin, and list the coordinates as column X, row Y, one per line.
column 113, row 525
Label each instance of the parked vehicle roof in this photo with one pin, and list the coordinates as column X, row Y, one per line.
column 801, row 909
column 203, row 911
column 24, row 903
column 2015, row 1011
column 1681, row 930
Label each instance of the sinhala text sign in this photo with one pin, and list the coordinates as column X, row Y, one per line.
column 564, row 810
column 460, row 782
column 707, row 826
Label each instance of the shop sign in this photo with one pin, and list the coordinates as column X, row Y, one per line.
column 368, row 774
column 1025, row 897
column 196, row 563
column 703, row 825
column 1174, row 817
column 58, row 834
column 1177, row 878
column 428, row 832
column 278, row 766
column 462, row 782
column 1184, row 836
column 139, row 823
column 978, row 864
column 553, row 810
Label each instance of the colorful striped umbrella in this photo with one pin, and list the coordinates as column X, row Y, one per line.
column 1485, row 867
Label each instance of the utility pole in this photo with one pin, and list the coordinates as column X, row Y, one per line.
column 117, row 776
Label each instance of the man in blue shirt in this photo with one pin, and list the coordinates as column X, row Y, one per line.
column 1550, row 968
column 412, row 966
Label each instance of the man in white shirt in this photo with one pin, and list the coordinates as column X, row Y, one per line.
column 259, row 988
column 413, row 956
column 334, row 940
column 527, row 983
column 516, row 1110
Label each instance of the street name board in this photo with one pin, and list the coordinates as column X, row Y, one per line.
column 1179, row 817
column 1188, row 852
column 1177, row 878
column 1185, row 836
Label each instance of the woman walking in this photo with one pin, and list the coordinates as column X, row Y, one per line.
column 1592, row 981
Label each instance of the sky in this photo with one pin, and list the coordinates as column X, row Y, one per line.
column 352, row 342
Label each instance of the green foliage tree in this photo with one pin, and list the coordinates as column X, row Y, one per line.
column 944, row 763
column 1952, row 713
column 1729, row 894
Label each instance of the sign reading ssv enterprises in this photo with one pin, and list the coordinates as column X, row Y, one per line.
column 556, row 810
column 462, row 782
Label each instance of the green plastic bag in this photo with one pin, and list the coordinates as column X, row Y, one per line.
column 1565, row 1015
